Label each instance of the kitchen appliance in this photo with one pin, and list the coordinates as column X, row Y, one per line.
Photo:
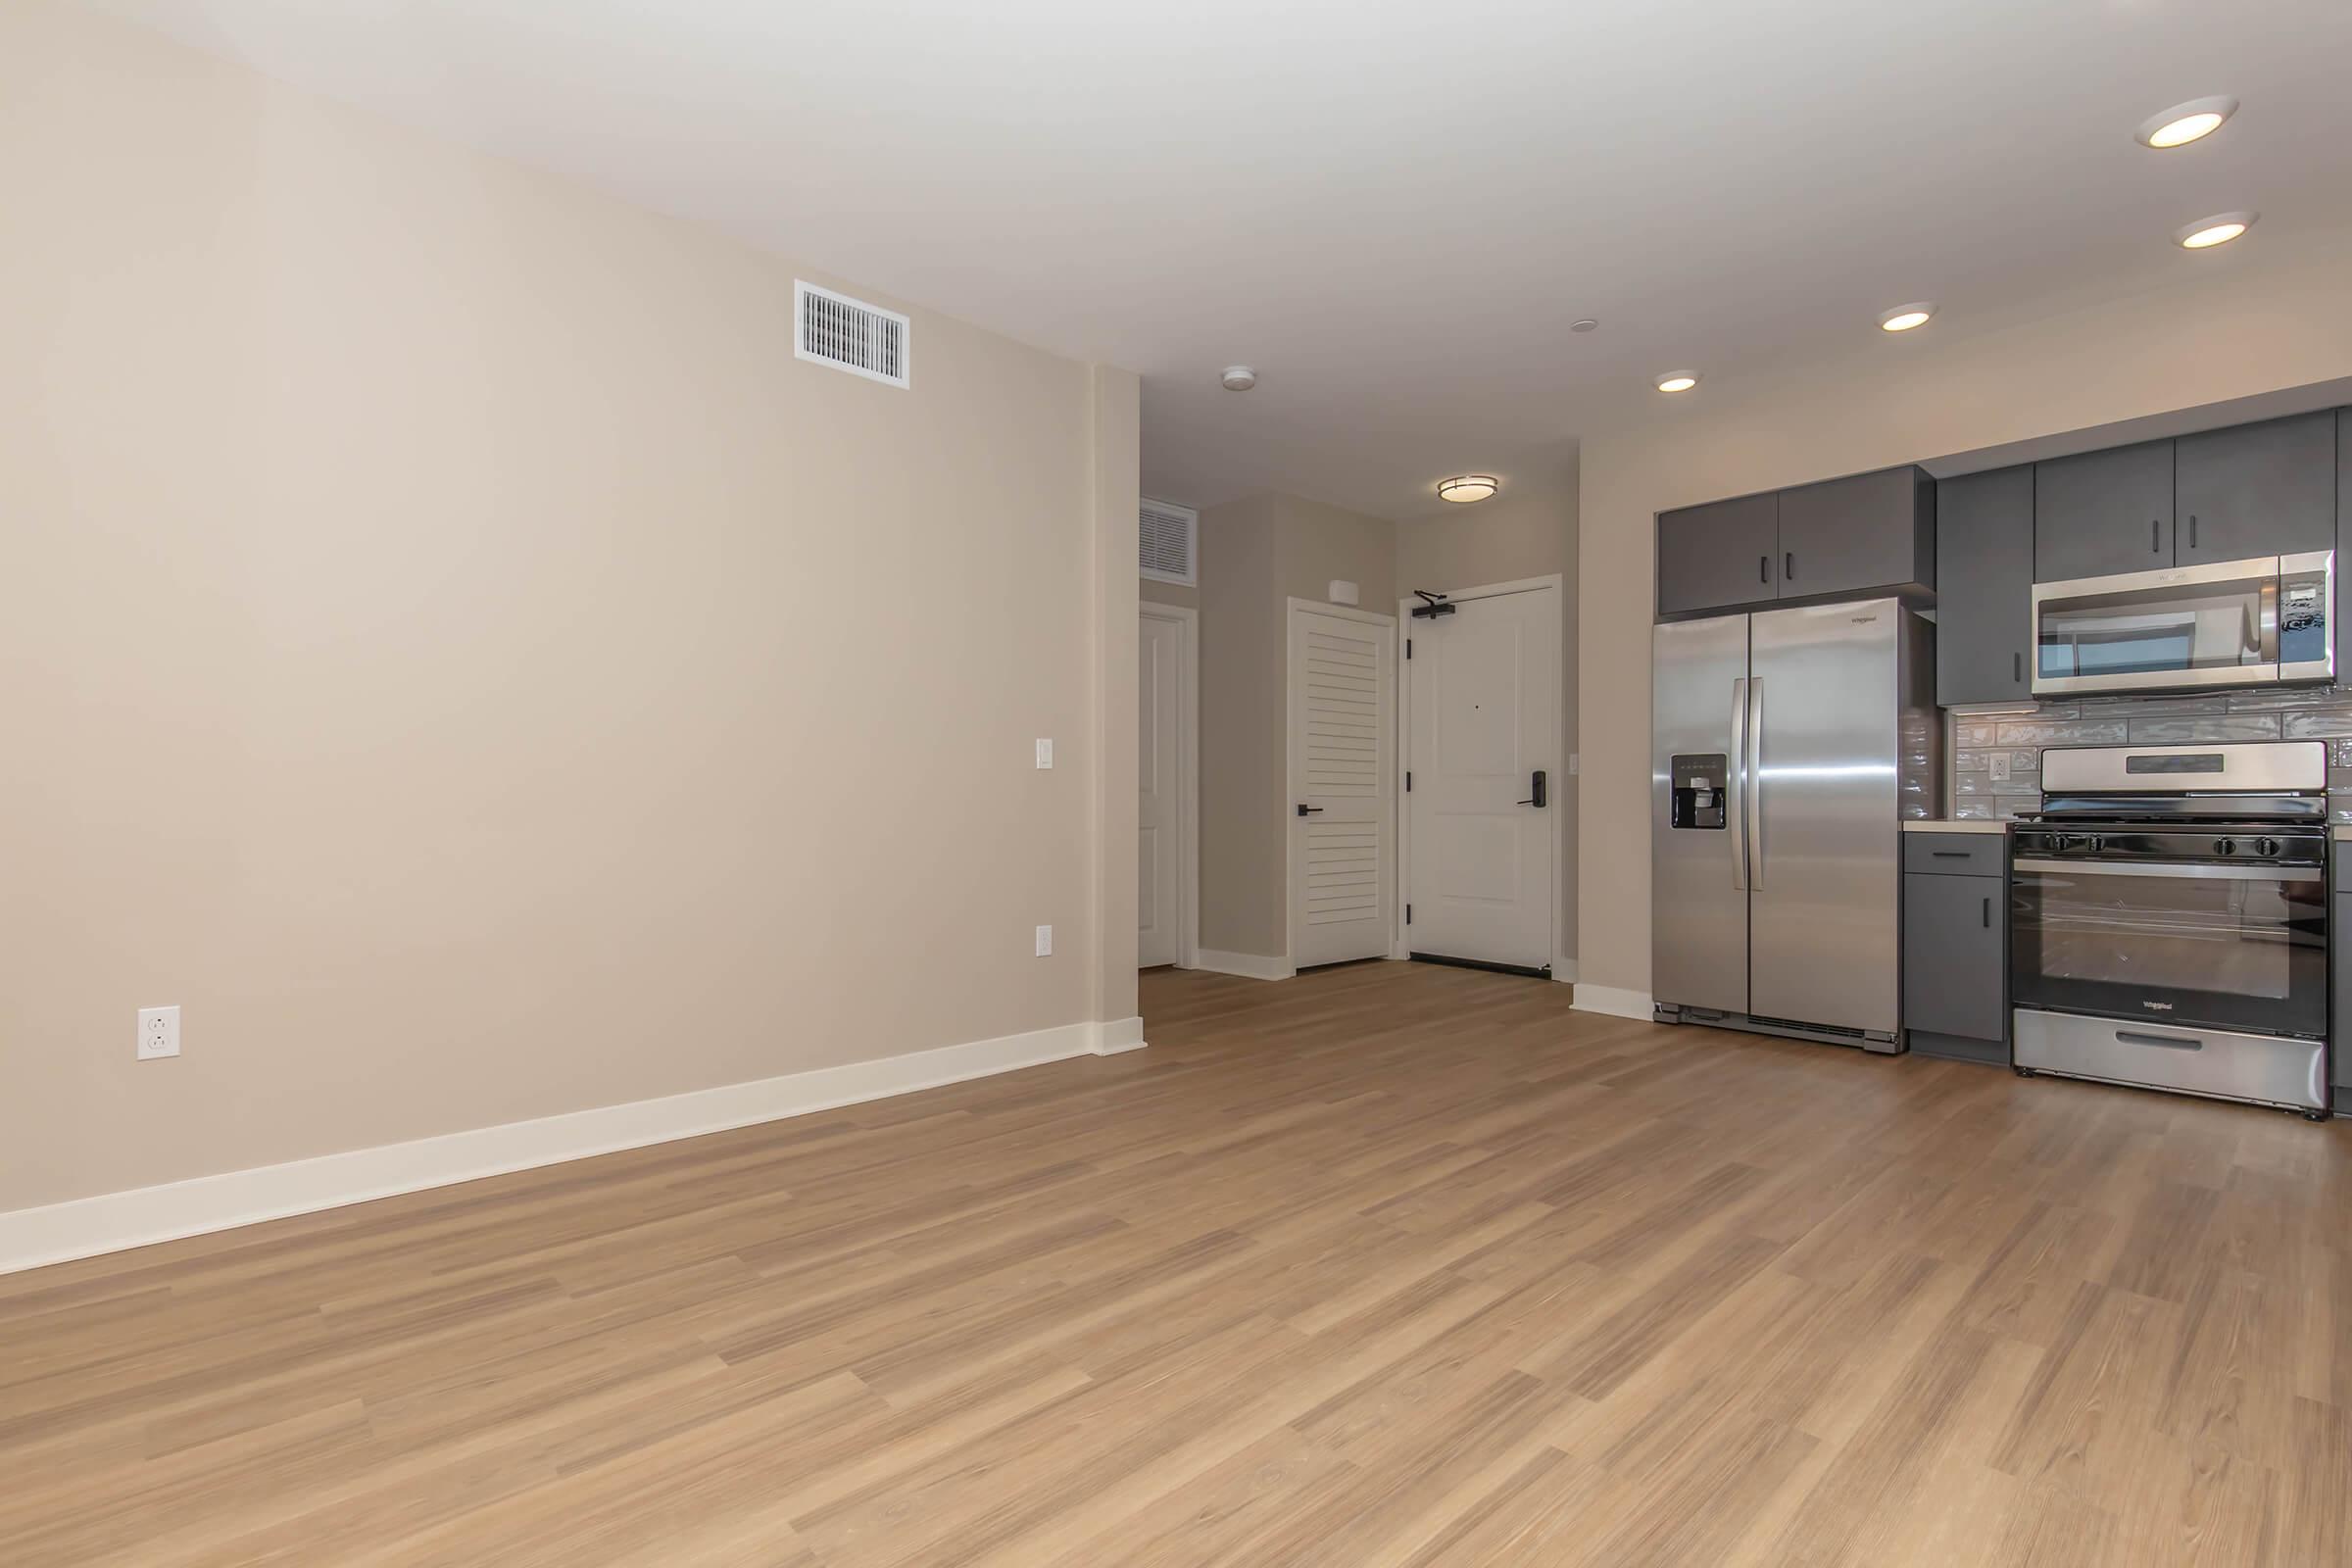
column 2256, row 622
column 2169, row 920
column 1786, row 746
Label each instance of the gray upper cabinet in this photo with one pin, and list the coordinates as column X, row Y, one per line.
column 1719, row 554
column 1985, row 587
column 1873, row 530
column 2264, row 489
column 2343, row 541
column 2103, row 513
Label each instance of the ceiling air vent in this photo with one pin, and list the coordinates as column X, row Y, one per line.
column 1166, row 533
column 849, row 334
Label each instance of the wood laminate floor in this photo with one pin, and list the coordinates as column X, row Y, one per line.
column 1384, row 1265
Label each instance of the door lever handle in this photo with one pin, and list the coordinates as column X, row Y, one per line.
column 1309, row 810
column 1538, row 798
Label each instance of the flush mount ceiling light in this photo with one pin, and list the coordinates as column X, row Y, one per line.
column 1467, row 488
column 1678, row 381
column 2218, row 229
column 1583, row 323
column 1237, row 378
column 2183, row 123
column 1903, row 317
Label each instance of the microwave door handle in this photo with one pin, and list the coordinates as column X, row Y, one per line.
column 1755, row 783
column 1739, row 781
column 2267, row 598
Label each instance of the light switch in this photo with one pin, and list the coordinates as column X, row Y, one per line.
column 1045, row 754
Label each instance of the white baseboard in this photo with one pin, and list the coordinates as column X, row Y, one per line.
column 113, row 1221
column 1117, row 1034
column 1249, row 966
column 1615, row 1001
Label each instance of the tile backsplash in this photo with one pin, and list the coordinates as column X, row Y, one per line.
column 1996, row 758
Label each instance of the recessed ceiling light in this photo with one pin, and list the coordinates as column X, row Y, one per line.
column 1237, row 378
column 2218, row 229
column 1678, row 381
column 1903, row 317
column 2183, row 123
column 1468, row 487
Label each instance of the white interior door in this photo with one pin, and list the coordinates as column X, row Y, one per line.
column 1159, row 812
column 1343, row 715
column 1485, row 718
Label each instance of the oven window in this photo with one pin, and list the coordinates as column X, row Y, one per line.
column 2237, row 949
column 2152, row 631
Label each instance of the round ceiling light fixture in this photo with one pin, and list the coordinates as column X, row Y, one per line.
column 1583, row 323
column 2183, row 123
column 1467, row 488
column 1678, row 381
column 1903, row 317
column 2218, row 229
column 1237, row 378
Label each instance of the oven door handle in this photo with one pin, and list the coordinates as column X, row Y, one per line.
column 2201, row 871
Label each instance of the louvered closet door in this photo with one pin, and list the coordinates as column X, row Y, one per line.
column 1342, row 704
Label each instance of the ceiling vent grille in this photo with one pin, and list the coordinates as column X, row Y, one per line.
column 850, row 334
column 1167, row 534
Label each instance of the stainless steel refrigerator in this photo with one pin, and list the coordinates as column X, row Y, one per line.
column 1787, row 747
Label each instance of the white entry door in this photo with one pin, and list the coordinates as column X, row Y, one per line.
column 1342, row 715
column 1485, row 720
column 1159, row 780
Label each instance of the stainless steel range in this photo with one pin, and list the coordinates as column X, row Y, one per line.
column 2169, row 921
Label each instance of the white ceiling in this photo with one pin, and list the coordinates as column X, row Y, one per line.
column 1391, row 208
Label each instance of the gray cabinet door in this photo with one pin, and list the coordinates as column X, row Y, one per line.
column 1985, row 587
column 1873, row 530
column 2343, row 541
column 2265, row 489
column 2103, row 513
column 1953, row 941
column 2340, row 1041
column 1723, row 554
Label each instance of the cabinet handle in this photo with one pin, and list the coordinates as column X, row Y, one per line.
column 2016, row 668
column 1788, row 566
column 2192, row 530
column 1947, row 854
column 2155, row 530
column 1764, row 569
column 1988, row 911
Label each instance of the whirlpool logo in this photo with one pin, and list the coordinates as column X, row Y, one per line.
column 2157, row 1006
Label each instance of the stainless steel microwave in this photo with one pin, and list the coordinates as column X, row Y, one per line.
column 2259, row 622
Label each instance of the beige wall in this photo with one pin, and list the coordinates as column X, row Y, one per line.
column 2251, row 324
column 1528, row 533
column 451, row 647
column 1256, row 555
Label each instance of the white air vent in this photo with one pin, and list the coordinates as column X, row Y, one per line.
column 1166, row 533
column 849, row 334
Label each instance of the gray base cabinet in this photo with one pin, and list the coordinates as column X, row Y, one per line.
column 2339, row 1028
column 1956, row 949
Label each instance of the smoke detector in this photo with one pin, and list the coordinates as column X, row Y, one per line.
column 1239, row 378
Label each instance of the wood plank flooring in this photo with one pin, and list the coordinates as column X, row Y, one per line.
column 1386, row 1266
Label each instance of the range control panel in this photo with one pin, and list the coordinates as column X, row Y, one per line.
column 1698, row 790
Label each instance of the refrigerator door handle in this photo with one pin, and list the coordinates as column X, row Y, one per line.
column 1755, row 782
column 1738, row 803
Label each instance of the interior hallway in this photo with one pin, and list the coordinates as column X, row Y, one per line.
column 1385, row 1264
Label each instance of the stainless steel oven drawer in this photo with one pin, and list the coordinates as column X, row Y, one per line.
column 2265, row 1069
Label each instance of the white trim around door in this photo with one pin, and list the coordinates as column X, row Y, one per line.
column 1188, row 775
column 1563, row 964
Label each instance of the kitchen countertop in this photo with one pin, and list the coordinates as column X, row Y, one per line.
column 1955, row 825
column 2342, row 832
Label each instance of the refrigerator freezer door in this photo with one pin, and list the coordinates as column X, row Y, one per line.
column 1825, row 852
column 1699, row 908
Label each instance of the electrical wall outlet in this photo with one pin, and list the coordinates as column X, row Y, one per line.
column 1045, row 754
column 1045, row 942
column 159, row 1033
